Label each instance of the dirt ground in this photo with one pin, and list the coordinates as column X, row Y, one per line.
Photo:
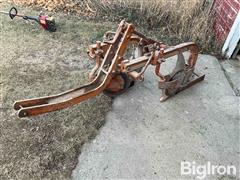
column 36, row 63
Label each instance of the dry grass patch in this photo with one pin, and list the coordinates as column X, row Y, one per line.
column 171, row 21
column 34, row 63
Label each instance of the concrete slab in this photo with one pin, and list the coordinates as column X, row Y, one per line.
column 232, row 72
column 146, row 139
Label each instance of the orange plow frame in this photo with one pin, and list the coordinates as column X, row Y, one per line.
column 113, row 73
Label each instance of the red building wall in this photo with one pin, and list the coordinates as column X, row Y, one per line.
column 225, row 13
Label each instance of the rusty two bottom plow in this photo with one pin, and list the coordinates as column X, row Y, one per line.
column 113, row 73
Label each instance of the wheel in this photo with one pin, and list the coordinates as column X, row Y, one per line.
column 118, row 85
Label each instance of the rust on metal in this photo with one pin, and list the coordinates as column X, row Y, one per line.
column 121, row 59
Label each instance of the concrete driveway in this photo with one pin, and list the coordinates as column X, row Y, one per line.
column 146, row 139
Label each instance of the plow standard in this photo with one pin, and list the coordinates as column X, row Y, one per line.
column 121, row 59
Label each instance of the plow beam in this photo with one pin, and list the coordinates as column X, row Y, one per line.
column 121, row 59
column 33, row 107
